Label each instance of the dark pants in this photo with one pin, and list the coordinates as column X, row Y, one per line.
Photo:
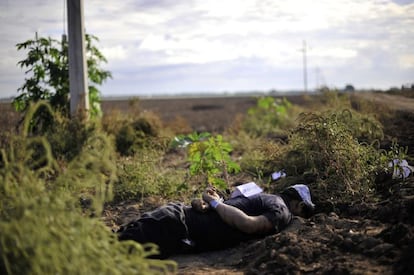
column 164, row 226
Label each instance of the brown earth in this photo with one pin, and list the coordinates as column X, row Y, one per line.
column 359, row 238
column 211, row 114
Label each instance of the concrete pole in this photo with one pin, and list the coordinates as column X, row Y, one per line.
column 78, row 72
column 305, row 69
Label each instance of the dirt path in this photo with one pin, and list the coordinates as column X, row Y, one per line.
column 218, row 262
column 398, row 119
column 394, row 102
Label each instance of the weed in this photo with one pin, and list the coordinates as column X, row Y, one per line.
column 269, row 116
column 326, row 144
column 185, row 140
column 211, row 158
column 68, row 136
column 259, row 160
column 134, row 136
column 331, row 99
column 131, row 134
column 142, row 175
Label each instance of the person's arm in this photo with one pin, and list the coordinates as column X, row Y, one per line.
column 237, row 218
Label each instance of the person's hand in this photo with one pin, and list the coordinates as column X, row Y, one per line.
column 210, row 194
column 200, row 205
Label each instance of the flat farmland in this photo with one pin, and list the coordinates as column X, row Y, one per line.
column 212, row 114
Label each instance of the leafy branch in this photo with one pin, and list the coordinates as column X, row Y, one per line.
column 47, row 74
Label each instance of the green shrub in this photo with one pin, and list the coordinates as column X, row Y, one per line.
column 259, row 161
column 364, row 127
column 67, row 136
column 115, row 118
column 270, row 116
column 142, row 175
column 144, row 131
column 134, row 136
column 332, row 99
column 327, row 145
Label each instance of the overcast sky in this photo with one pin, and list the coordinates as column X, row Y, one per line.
column 175, row 46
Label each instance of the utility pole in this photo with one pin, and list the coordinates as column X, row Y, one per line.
column 78, row 73
column 305, row 70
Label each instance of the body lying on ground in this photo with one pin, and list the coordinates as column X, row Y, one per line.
column 177, row 228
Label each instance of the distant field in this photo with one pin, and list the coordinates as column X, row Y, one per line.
column 202, row 113
column 207, row 113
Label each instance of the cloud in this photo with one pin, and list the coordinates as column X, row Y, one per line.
column 406, row 61
column 115, row 53
column 403, row 2
column 177, row 45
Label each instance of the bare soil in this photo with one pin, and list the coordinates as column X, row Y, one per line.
column 211, row 114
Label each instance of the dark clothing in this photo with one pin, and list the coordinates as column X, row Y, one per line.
column 164, row 226
column 208, row 231
column 169, row 225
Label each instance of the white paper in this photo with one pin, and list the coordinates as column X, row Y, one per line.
column 247, row 190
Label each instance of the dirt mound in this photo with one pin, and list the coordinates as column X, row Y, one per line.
column 328, row 244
